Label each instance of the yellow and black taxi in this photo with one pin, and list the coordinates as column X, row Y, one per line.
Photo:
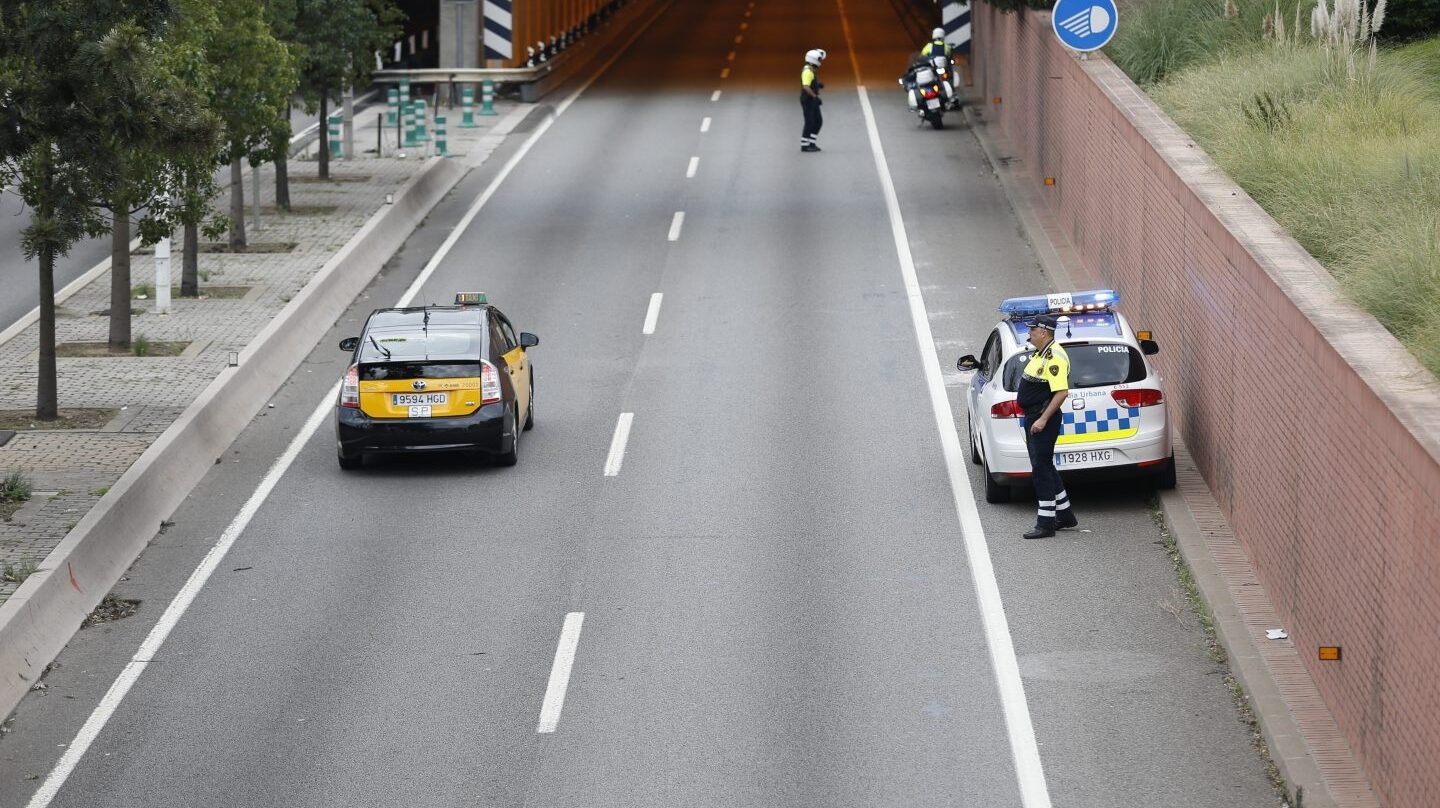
column 435, row 378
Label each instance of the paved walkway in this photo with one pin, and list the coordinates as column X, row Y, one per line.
column 70, row 470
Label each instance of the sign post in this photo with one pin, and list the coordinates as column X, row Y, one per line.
column 1084, row 25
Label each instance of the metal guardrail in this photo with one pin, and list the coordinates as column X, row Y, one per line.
column 466, row 75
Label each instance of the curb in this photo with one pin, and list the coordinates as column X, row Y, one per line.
column 1297, row 743
column 39, row 619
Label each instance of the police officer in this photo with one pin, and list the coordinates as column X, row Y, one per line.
column 1043, row 388
column 937, row 44
column 810, row 88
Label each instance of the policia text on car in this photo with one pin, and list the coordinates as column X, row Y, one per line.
column 1043, row 388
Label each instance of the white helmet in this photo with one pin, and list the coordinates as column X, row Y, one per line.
column 815, row 56
column 938, row 33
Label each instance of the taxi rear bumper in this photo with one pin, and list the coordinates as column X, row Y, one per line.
column 483, row 430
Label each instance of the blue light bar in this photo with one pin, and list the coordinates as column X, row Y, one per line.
column 1060, row 303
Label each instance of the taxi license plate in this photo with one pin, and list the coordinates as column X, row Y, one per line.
column 1084, row 458
column 412, row 399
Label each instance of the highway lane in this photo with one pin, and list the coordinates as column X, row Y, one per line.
column 778, row 609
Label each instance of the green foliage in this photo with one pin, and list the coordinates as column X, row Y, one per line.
column 15, row 487
column 1157, row 38
column 1411, row 19
column 1349, row 166
column 1011, row 6
column 141, row 345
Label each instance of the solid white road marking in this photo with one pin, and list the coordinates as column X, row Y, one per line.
column 725, row 74
column 1026, row 753
column 653, row 314
column 110, row 702
column 560, row 672
column 690, row 169
column 715, row 96
column 617, row 444
column 705, row 125
column 675, row 225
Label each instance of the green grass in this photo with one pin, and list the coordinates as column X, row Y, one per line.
column 1349, row 166
column 15, row 487
column 140, row 346
column 17, row 573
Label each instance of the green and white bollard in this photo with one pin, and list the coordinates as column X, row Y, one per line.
column 392, row 106
column 467, row 106
column 404, row 91
column 487, row 97
column 440, row 145
column 337, row 148
column 408, row 123
column 422, row 121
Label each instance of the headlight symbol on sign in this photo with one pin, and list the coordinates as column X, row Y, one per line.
column 1084, row 25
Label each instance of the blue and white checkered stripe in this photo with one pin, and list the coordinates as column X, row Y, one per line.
column 1091, row 422
column 955, row 19
column 498, row 28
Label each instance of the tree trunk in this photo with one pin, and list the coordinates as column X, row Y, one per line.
column 47, row 399
column 237, row 204
column 324, row 135
column 120, row 276
column 282, row 169
column 190, row 262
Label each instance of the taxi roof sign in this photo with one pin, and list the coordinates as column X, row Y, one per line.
column 470, row 299
column 1061, row 302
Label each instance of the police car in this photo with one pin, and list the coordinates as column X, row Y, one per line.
column 1115, row 422
column 436, row 378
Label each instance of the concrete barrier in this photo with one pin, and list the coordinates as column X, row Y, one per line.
column 40, row 618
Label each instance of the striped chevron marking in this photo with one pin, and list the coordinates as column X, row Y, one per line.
column 498, row 26
column 955, row 19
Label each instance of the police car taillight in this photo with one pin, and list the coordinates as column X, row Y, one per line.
column 350, row 388
column 489, row 383
column 1006, row 409
column 1138, row 398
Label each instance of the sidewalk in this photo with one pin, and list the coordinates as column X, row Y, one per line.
column 70, row 470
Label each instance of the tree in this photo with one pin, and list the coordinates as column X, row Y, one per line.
column 337, row 40
column 254, row 77
column 51, row 139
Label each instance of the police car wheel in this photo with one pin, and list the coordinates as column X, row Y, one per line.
column 530, row 410
column 974, row 450
column 996, row 492
column 1165, row 480
column 511, row 457
column 350, row 462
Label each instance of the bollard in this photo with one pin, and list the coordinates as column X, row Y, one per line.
column 392, row 105
column 337, row 149
column 408, row 113
column 422, row 121
column 440, row 145
column 487, row 97
column 467, row 105
column 404, row 91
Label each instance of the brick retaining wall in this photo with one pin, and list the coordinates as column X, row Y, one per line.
column 1317, row 432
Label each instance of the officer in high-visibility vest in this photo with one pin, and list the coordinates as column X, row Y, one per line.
column 937, row 44
column 810, row 88
column 1044, row 386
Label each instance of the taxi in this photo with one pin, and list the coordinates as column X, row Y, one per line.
column 435, row 378
column 1115, row 423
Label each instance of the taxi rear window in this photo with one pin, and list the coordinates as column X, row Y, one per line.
column 419, row 370
column 421, row 345
column 1091, row 365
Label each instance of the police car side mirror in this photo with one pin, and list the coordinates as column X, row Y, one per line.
column 967, row 362
column 528, row 340
column 349, row 343
column 1149, row 347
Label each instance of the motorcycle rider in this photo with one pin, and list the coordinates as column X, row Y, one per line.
column 810, row 87
column 938, row 46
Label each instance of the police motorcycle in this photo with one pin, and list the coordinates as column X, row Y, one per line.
column 929, row 92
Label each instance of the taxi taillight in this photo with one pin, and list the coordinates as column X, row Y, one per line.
column 350, row 388
column 1006, row 409
column 489, row 383
column 1138, row 398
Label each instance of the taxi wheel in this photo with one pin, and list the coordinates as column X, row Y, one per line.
column 530, row 410
column 511, row 457
column 350, row 462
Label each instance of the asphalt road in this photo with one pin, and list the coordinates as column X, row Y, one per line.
column 778, row 605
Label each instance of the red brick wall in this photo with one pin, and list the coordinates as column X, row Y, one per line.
column 1318, row 434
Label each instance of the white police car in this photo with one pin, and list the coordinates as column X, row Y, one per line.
column 1115, row 423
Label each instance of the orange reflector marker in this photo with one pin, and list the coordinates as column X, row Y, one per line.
column 1049, row 180
column 995, row 100
column 1142, row 335
column 1330, row 653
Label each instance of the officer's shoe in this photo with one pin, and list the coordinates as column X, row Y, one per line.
column 1065, row 518
column 809, row 148
column 1039, row 532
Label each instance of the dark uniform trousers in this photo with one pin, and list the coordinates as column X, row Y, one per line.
column 1051, row 497
column 810, row 106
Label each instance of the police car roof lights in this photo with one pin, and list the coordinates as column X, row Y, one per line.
column 470, row 299
column 1060, row 303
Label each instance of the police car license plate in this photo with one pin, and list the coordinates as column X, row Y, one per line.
column 412, row 399
column 1085, row 458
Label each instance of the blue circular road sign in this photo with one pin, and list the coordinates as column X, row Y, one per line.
column 1084, row 25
